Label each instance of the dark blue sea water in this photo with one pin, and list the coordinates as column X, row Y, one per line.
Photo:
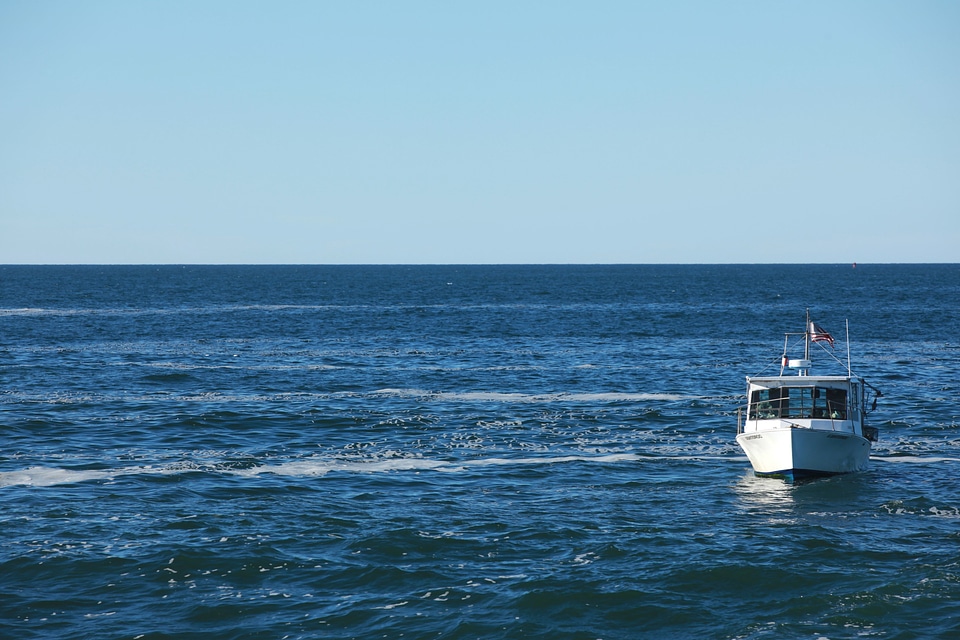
column 463, row 452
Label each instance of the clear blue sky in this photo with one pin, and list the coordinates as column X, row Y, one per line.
column 479, row 132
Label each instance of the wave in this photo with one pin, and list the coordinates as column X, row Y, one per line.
column 508, row 397
column 914, row 459
column 48, row 477
column 321, row 467
column 310, row 467
column 274, row 308
column 182, row 373
column 385, row 462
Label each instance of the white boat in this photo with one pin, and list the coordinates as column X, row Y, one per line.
column 798, row 425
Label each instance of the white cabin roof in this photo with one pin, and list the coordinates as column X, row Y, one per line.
column 769, row 382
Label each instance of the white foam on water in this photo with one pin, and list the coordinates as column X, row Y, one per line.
column 614, row 457
column 48, row 477
column 323, row 466
column 422, row 395
column 913, row 459
column 625, row 397
column 500, row 396
column 52, row 476
column 304, row 468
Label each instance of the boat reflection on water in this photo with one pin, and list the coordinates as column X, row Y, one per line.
column 786, row 502
column 776, row 500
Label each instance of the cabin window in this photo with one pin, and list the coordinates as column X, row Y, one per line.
column 836, row 400
column 766, row 403
column 798, row 402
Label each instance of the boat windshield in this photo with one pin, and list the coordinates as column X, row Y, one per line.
column 798, row 402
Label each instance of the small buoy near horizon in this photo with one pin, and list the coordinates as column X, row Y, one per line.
column 854, row 265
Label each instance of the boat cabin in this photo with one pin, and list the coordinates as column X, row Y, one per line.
column 798, row 402
column 804, row 397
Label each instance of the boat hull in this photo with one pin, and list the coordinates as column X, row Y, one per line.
column 796, row 452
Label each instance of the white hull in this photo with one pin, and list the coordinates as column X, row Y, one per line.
column 797, row 451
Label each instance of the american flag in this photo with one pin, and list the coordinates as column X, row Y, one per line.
column 817, row 334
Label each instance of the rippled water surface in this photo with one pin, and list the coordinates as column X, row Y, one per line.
column 463, row 452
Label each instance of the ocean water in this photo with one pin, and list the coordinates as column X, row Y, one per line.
column 463, row 452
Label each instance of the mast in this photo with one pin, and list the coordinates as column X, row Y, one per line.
column 849, row 372
column 806, row 343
